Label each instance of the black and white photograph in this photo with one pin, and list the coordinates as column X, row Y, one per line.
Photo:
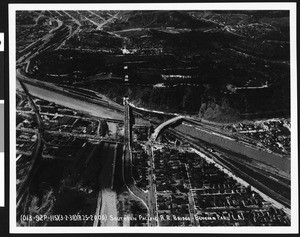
column 153, row 116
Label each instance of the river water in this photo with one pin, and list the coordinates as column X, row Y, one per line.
column 72, row 103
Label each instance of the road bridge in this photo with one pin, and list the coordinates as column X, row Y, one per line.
column 162, row 126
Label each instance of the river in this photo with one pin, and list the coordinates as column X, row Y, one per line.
column 72, row 103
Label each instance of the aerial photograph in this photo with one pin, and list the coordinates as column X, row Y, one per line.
column 152, row 118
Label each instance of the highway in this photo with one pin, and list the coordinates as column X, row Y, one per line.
column 77, row 30
column 39, row 45
column 100, row 26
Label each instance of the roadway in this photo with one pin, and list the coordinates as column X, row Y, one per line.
column 100, row 26
column 38, row 45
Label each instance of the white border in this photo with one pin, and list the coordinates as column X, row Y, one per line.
column 161, row 6
column 2, row 164
column 2, row 180
column 2, row 41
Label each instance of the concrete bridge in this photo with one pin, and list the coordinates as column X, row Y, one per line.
column 167, row 123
